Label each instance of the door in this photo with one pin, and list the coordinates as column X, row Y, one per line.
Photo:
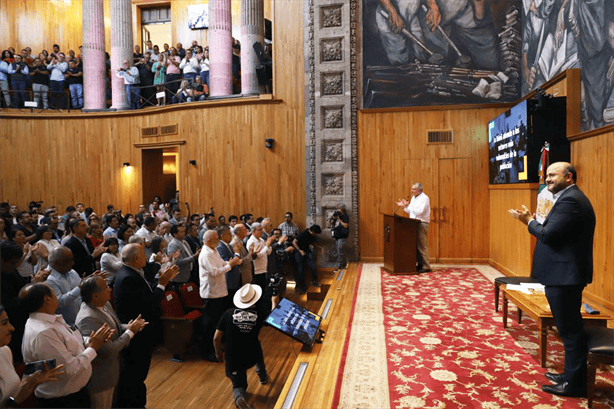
column 153, row 175
column 454, row 210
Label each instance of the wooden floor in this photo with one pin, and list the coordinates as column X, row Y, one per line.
column 196, row 383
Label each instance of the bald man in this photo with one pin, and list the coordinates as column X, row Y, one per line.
column 563, row 263
column 134, row 296
column 212, row 272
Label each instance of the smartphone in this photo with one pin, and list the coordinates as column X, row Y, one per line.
column 32, row 367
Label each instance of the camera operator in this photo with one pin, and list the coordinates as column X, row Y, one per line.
column 131, row 77
column 340, row 222
column 283, row 250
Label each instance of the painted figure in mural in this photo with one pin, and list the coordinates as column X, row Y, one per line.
column 468, row 22
column 563, row 34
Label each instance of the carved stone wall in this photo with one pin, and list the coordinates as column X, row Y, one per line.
column 331, row 93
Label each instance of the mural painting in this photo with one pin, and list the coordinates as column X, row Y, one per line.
column 433, row 52
column 562, row 34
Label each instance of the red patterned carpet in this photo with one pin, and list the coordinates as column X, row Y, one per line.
column 446, row 348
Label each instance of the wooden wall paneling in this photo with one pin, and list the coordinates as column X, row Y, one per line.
column 41, row 23
column 454, row 216
column 511, row 245
column 387, row 138
column 592, row 158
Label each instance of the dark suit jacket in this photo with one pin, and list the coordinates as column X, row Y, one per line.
column 233, row 277
column 564, row 249
column 105, row 367
column 84, row 262
column 134, row 296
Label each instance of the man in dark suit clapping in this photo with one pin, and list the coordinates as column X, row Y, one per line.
column 134, row 296
column 82, row 249
column 563, row 263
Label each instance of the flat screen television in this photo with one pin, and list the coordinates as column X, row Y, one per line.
column 295, row 321
column 516, row 138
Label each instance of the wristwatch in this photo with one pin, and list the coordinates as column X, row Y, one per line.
column 11, row 403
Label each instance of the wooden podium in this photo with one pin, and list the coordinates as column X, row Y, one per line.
column 400, row 240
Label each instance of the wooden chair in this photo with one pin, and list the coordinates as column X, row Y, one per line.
column 178, row 326
column 600, row 344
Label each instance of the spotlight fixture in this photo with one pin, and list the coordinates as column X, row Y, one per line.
column 269, row 143
column 126, row 164
column 193, row 162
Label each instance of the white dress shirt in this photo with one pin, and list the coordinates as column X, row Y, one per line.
column 189, row 66
column 48, row 336
column 148, row 236
column 419, row 208
column 9, row 380
column 212, row 270
column 260, row 262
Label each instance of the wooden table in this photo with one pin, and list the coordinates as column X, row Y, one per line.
column 536, row 306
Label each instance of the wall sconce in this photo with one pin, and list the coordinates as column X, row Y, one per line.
column 193, row 162
column 126, row 164
column 269, row 143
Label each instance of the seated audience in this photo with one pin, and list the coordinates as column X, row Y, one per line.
column 199, row 91
column 182, row 93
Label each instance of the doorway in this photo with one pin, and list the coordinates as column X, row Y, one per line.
column 156, row 26
column 160, row 173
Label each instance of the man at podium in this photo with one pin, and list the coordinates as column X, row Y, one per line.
column 419, row 208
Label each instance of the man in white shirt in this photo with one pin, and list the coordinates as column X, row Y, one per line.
column 132, row 79
column 261, row 249
column 212, row 272
column 420, row 209
column 148, row 233
column 47, row 336
column 189, row 66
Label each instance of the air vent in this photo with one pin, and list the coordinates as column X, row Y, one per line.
column 440, row 136
column 149, row 132
column 168, row 129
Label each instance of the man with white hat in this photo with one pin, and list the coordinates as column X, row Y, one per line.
column 236, row 339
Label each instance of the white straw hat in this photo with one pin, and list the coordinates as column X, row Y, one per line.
column 247, row 295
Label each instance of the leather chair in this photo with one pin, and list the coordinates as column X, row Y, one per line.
column 600, row 344
column 178, row 326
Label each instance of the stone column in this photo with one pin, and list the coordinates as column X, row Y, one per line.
column 252, row 31
column 121, row 48
column 220, row 47
column 93, row 54
column 331, row 106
